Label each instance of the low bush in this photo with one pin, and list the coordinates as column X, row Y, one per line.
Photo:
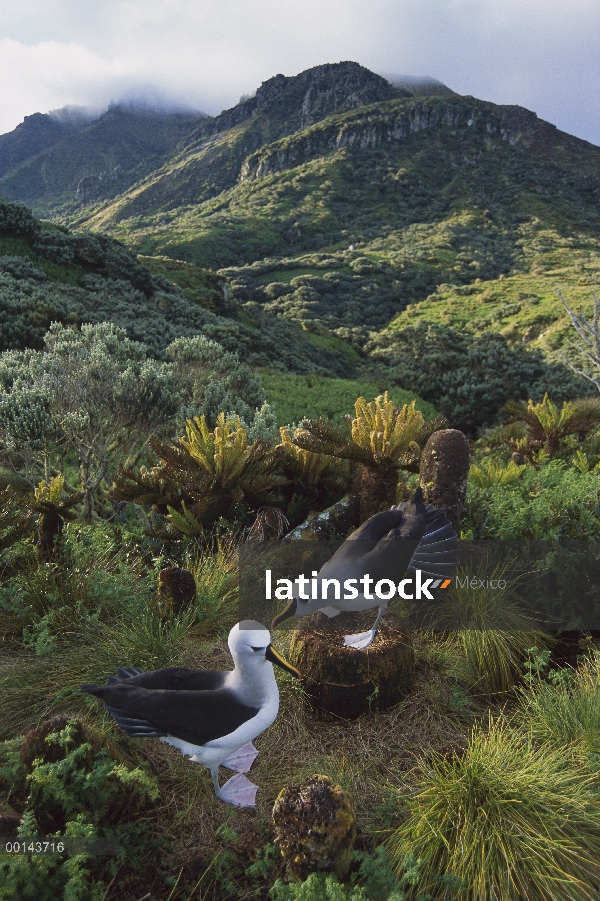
column 63, row 782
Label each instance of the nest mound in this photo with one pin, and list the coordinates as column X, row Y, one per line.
column 315, row 827
column 349, row 682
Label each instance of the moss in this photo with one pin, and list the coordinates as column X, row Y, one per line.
column 315, row 827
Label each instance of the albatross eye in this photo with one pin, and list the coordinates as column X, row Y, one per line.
column 258, row 649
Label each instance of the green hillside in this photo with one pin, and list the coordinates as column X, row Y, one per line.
column 324, row 220
column 48, row 274
column 98, row 160
column 296, row 397
column 347, row 221
column 523, row 307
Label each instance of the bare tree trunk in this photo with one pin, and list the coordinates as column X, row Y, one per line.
column 376, row 489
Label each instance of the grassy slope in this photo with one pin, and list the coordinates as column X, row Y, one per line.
column 524, row 307
column 200, row 286
column 295, row 397
column 447, row 206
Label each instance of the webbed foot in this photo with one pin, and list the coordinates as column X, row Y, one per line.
column 238, row 791
column 360, row 641
column 241, row 760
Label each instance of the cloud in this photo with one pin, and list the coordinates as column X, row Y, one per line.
column 50, row 75
column 542, row 54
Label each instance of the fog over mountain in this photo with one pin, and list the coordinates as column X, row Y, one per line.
column 542, row 55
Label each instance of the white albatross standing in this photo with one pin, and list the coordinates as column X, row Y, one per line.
column 389, row 545
column 211, row 716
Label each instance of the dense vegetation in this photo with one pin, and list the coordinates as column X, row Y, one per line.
column 73, row 610
column 161, row 410
column 48, row 274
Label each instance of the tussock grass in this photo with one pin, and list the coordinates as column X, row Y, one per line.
column 75, row 622
column 34, row 686
column 513, row 820
column 217, row 579
column 493, row 630
column 566, row 709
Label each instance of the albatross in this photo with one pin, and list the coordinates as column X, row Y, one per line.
column 390, row 545
column 209, row 715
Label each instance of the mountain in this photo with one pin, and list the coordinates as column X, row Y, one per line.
column 66, row 158
column 333, row 200
column 356, row 209
column 38, row 133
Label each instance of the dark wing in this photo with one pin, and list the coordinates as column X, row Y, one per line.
column 437, row 552
column 173, row 678
column 397, row 533
column 397, row 542
column 193, row 716
column 377, row 526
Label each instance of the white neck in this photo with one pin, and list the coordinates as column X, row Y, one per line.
column 252, row 680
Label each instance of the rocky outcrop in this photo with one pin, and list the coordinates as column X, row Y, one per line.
column 306, row 98
column 368, row 131
column 93, row 185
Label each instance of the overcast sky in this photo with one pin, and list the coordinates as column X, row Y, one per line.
column 540, row 54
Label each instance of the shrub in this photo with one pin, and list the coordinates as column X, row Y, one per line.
column 553, row 500
column 74, row 788
column 211, row 380
column 564, row 709
column 92, row 391
column 468, row 378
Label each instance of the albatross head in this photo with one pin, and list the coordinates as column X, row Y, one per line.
column 250, row 641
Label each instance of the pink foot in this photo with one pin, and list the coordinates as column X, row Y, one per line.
column 239, row 791
column 241, row 760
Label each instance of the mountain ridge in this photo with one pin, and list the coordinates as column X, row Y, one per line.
column 35, row 134
column 281, row 105
column 335, row 201
column 107, row 151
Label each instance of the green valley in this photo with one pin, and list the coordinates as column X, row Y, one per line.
column 333, row 212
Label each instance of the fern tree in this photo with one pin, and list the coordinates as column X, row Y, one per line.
column 380, row 440
column 203, row 475
column 547, row 426
column 46, row 506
